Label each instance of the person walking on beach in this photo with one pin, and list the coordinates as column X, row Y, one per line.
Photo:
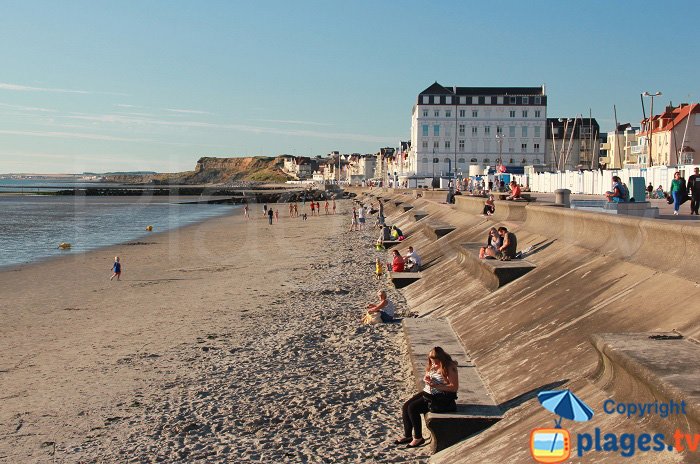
column 296, row 209
column 353, row 222
column 313, row 207
column 245, row 211
column 694, row 191
column 333, row 206
column 325, row 206
column 361, row 217
column 116, row 269
column 270, row 213
column 264, row 209
column 277, row 216
column 318, row 208
column 291, row 210
column 441, row 385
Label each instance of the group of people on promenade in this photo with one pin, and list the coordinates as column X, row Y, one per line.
column 679, row 192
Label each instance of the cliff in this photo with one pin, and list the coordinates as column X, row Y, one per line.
column 209, row 170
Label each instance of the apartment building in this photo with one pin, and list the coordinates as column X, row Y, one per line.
column 674, row 135
column 453, row 128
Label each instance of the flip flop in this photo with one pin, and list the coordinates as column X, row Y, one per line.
column 421, row 442
column 403, row 441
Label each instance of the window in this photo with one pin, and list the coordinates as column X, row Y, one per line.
column 426, row 99
column 425, row 144
column 538, row 100
column 436, row 144
column 510, row 150
column 537, row 131
column 511, row 100
column 475, row 130
column 425, row 160
column 487, row 100
column 436, row 99
column 461, row 161
column 536, row 161
column 536, row 148
column 448, row 114
column 526, row 100
column 447, row 160
column 512, row 113
column 499, row 130
column 461, row 129
column 447, row 144
column 524, row 113
column 487, row 130
column 475, row 114
column 425, row 113
column 538, row 113
column 511, row 131
column 487, row 161
column 462, row 100
column 524, row 146
column 499, row 100
column 425, row 130
column 524, row 131
column 436, row 113
column 436, row 130
column 475, row 100
column 473, row 160
column 461, row 145
column 448, row 100
column 462, row 113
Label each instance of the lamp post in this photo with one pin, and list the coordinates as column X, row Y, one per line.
column 499, row 139
column 432, row 181
column 649, row 124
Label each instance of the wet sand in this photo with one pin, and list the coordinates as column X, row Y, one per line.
column 225, row 341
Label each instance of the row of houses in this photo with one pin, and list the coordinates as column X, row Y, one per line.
column 465, row 131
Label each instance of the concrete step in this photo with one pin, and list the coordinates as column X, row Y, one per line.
column 493, row 273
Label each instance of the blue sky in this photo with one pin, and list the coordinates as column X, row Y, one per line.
column 132, row 85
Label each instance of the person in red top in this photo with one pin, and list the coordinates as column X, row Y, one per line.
column 313, row 207
column 514, row 191
column 397, row 263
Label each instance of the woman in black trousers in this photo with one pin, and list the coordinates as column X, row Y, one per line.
column 439, row 395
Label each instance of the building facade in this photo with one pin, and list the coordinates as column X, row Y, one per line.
column 674, row 135
column 572, row 143
column 455, row 128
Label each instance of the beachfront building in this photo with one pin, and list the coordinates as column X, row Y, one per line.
column 455, row 128
column 360, row 167
column 571, row 143
column 674, row 134
column 621, row 148
column 299, row 167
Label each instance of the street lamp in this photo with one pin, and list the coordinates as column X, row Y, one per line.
column 651, row 116
column 499, row 139
column 435, row 160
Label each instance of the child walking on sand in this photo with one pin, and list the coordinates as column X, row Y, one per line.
column 117, row 269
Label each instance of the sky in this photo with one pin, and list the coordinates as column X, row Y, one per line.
column 154, row 85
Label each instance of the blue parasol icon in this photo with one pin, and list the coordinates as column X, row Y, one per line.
column 566, row 405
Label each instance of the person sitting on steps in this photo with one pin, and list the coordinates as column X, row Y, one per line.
column 508, row 248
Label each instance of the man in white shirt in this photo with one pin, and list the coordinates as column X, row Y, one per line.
column 412, row 260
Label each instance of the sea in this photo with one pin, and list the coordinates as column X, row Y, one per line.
column 32, row 226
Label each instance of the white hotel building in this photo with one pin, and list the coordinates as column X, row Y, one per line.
column 463, row 127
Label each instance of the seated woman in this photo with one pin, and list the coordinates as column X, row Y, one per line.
column 508, row 247
column 616, row 195
column 515, row 191
column 385, row 308
column 397, row 262
column 396, row 232
column 660, row 194
column 439, row 395
column 493, row 242
column 489, row 207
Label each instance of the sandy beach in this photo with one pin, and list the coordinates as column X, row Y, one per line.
column 225, row 341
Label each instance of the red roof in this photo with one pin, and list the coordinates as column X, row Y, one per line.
column 668, row 120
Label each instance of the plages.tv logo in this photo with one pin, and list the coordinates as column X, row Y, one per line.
column 551, row 445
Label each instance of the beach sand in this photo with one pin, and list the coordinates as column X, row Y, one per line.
column 225, row 341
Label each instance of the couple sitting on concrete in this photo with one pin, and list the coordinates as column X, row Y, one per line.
column 379, row 312
column 500, row 244
column 619, row 192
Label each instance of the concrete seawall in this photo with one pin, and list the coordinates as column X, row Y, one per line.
column 595, row 273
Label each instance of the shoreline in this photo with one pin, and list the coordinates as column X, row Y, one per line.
column 225, row 340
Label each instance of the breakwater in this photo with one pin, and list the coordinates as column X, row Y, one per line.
column 593, row 274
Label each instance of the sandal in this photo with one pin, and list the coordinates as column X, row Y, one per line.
column 403, row 441
column 420, row 442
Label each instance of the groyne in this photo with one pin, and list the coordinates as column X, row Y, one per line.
column 592, row 274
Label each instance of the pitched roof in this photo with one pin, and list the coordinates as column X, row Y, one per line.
column 671, row 118
column 437, row 89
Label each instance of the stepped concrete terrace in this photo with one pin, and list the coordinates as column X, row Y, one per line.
column 594, row 273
